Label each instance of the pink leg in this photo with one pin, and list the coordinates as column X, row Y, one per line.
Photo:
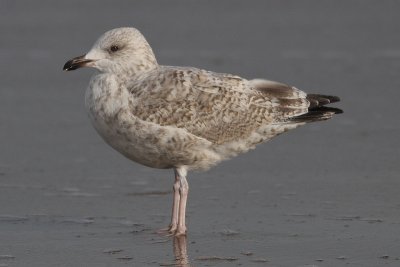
column 183, row 191
column 175, row 207
column 171, row 229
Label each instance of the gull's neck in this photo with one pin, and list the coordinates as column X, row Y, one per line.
column 140, row 62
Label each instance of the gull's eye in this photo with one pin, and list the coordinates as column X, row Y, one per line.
column 114, row 48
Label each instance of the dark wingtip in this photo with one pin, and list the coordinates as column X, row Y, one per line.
column 335, row 110
column 317, row 114
column 339, row 111
column 327, row 109
column 321, row 100
column 335, row 99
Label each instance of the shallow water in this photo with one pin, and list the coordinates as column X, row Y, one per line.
column 323, row 195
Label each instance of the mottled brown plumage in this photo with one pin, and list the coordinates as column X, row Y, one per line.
column 218, row 107
column 181, row 117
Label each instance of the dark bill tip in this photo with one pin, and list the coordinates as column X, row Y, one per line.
column 76, row 63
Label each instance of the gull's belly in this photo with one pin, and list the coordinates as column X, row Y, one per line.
column 153, row 145
column 132, row 141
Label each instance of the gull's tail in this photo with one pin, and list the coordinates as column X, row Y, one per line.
column 317, row 110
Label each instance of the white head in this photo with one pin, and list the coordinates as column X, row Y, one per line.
column 118, row 51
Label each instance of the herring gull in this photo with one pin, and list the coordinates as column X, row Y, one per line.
column 184, row 118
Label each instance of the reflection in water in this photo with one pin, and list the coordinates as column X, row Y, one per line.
column 180, row 251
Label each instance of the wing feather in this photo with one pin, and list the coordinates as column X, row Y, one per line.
column 215, row 106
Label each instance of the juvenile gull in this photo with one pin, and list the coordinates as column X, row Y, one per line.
column 182, row 117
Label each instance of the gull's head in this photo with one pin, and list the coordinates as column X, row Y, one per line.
column 121, row 50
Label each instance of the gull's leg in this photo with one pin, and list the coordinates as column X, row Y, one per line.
column 175, row 207
column 183, row 192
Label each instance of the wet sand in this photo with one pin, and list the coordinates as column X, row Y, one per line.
column 323, row 195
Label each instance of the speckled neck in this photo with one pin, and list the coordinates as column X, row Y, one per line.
column 144, row 61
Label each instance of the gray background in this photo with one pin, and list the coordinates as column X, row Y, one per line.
column 328, row 191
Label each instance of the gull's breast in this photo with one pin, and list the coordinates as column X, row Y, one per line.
column 144, row 142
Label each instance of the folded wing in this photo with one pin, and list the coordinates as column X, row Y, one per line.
column 218, row 107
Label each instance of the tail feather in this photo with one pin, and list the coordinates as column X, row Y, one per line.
column 321, row 100
column 317, row 110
